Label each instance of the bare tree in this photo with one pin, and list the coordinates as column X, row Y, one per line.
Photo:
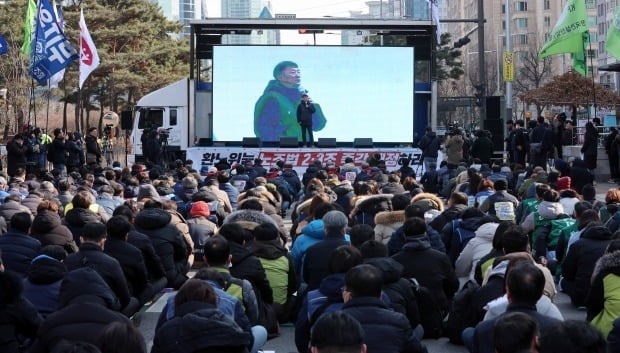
column 531, row 73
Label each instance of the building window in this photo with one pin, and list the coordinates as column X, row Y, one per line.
column 547, row 5
column 522, row 39
column 522, row 22
column 503, row 8
column 547, row 37
column 591, row 21
column 503, row 24
column 590, row 4
column 547, row 21
column 521, row 6
column 591, row 54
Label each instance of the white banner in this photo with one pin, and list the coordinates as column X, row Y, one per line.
column 205, row 157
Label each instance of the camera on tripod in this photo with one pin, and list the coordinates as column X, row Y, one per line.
column 164, row 134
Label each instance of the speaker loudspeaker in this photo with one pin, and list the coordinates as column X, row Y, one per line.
column 326, row 142
column 250, row 142
column 496, row 128
column 362, row 143
column 289, row 142
column 494, row 108
column 126, row 120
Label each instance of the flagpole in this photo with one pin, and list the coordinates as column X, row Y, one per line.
column 79, row 103
column 34, row 104
column 592, row 65
column 36, row 35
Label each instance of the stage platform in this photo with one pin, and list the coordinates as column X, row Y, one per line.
column 300, row 158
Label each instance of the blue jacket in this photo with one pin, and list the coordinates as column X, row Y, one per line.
column 330, row 290
column 18, row 249
column 310, row 235
column 42, row 286
column 232, row 193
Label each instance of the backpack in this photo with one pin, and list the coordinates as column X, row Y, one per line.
column 51, row 152
column 465, row 235
column 547, row 232
column 431, row 316
column 461, row 315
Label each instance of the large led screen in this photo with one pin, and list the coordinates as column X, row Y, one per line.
column 355, row 92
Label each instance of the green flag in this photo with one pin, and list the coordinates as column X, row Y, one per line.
column 29, row 19
column 566, row 36
column 613, row 36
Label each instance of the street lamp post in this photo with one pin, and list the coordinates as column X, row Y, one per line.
column 508, row 49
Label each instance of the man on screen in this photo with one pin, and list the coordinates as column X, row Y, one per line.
column 275, row 112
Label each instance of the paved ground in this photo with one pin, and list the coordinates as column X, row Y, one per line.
column 286, row 342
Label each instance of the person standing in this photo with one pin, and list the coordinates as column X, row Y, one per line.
column 590, row 146
column 59, row 156
column 93, row 150
column 538, row 146
column 74, row 150
column 520, row 142
column 454, row 147
column 612, row 154
column 510, row 141
column 305, row 109
column 429, row 144
column 483, row 147
column 16, row 154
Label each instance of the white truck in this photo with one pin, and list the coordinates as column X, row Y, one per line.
column 182, row 108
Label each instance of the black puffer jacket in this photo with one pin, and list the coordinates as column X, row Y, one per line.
column 366, row 209
column 151, row 259
column 131, row 261
column 75, row 220
column 32, row 201
column 42, row 286
column 85, row 311
column 168, row 242
column 386, row 331
column 198, row 326
column 48, row 228
column 431, row 268
column 18, row 249
column 245, row 265
column 9, row 208
column 18, row 318
column 345, row 195
column 398, row 289
column 91, row 255
column 581, row 260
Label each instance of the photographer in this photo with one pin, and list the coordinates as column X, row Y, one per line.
column 59, row 155
column 74, row 149
column 454, row 147
column 93, row 150
column 34, row 162
column 153, row 149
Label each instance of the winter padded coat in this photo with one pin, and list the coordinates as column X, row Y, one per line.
column 18, row 317
column 18, row 249
column 48, row 228
column 168, row 242
column 387, row 223
column 475, row 249
column 603, row 301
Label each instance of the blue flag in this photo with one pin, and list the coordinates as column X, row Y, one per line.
column 4, row 47
column 51, row 51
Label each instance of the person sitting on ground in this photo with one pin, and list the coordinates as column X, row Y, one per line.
column 12, row 204
column 167, row 240
column 431, row 268
column 456, row 205
column 328, row 297
column 516, row 333
column 361, row 233
column 245, row 265
column 581, row 260
column 129, row 257
column 501, row 203
column 315, row 267
column 200, row 228
column 121, row 334
column 85, row 301
column 602, row 310
column 387, row 331
column 47, row 227
column 80, row 215
column 18, row 317
column 389, row 221
column 524, row 287
column 45, row 275
column 572, row 336
column 196, row 311
column 337, row 331
column 278, row 266
column 475, row 249
column 459, row 232
column 18, row 247
column 397, row 239
column 217, row 256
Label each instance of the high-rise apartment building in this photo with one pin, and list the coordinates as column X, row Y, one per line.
column 183, row 11
column 605, row 20
column 248, row 9
column 531, row 24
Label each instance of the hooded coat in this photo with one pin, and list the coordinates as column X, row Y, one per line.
column 168, row 242
column 581, row 260
column 48, row 228
column 245, row 265
column 580, row 176
column 454, row 235
column 42, row 285
column 366, row 208
column 315, row 267
column 279, row 269
column 310, row 235
column 16, row 156
column 17, row 250
column 603, row 300
column 151, row 259
column 430, row 268
column 75, row 220
column 18, row 317
column 547, row 210
column 132, row 263
column 85, row 311
column 454, row 149
column 9, row 208
column 429, row 144
column 475, row 249
column 345, row 194
column 386, row 223
column 198, row 326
